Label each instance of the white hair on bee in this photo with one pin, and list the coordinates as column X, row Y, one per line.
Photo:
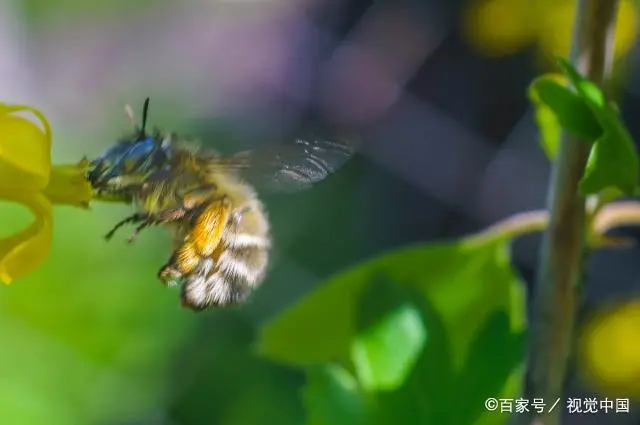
column 167, row 141
column 229, row 266
column 228, row 280
column 241, row 266
column 247, row 265
column 246, row 240
column 201, row 290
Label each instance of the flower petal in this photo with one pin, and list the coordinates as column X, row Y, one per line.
column 25, row 149
column 24, row 251
column 68, row 185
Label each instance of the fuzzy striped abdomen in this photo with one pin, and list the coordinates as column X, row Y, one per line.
column 237, row 265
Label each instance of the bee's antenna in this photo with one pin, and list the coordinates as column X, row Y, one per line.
column 145, row 111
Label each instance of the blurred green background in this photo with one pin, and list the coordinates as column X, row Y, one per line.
column 92, row 337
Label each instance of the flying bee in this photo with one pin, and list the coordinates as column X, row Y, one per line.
column 210, row 203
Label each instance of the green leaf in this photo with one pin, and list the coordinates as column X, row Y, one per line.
column 428, row 394
column 557, row 108
column 494, row 355
column 391, row 340
column 587, row 89
column 549, row 125
column 457, row 288
column 609, row 195
column 613, row 160
column 465, row 282
column 332, row 397
column 610, row 164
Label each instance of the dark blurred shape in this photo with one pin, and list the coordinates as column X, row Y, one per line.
column 219, row 380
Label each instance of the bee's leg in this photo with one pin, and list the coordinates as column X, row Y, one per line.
column 146, row 223
column 169, row 273
column 170, row 215
column 191, row 205
column 135, row 218
column 204, row 236
column 187, row 206
column 209, row 225
column 183, row 260
column 197, row 197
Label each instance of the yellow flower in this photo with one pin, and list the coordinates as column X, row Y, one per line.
column 503, row 27
column 610, row 351
column 28, row 178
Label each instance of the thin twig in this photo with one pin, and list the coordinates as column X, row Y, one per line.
column 609, row 217
column 557, row 292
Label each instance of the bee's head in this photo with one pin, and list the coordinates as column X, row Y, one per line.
column 135, row 155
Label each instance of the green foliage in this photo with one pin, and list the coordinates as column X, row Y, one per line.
column 558, row 108
column 484, row 375
column 332, row 396
column 402, row 335
column 390, row 338
column 548, row 122
column 588, row 91
column 613, row 165
column 613, row 161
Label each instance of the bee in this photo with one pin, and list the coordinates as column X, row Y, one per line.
column 210, row 203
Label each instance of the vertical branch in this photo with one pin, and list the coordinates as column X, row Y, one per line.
column 562, row 253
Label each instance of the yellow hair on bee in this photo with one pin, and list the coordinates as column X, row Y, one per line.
column 207, row 230
column 187, row 257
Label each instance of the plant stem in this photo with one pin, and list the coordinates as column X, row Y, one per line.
column 557, row 291
column 610, row 216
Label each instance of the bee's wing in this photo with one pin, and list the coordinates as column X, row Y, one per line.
column 288, row 167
